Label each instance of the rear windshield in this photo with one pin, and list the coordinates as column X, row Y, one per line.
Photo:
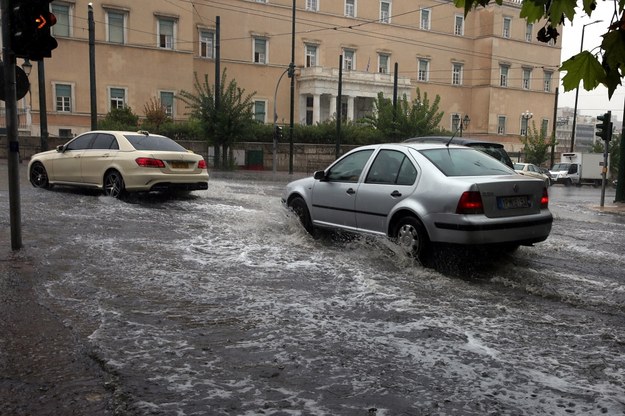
column 143, row 142
column 465, row 162
column 495, row 151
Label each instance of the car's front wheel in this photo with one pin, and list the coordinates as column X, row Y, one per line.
column 114, row 184
column 410, row 234
column 39, row 176
column 299, row 207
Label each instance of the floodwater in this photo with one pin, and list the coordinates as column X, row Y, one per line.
column 220, row 304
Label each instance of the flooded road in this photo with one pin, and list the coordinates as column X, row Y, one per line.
column 219, row 303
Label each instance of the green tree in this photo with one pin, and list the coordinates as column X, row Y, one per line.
column 119, row 119
column 536, row 146
column 604, row 66
column 222, row 126
column 614, row 149
column 411, row 119
column 155, row 115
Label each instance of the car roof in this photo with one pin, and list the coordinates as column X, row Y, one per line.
column 464, row 141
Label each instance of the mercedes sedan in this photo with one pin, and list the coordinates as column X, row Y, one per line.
column 117, row 162
column 423, row 194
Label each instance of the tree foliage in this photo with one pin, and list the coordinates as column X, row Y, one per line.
column 614, row 149
column 410, row 119
column 605, row 66
column 119, row 119
column 536, row 146
column 226, row 124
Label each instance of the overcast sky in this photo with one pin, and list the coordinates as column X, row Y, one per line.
column 593, row 102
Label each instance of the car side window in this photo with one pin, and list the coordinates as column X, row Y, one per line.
column 391, row 167
column 350, row 167
column 81, row 142
column 105, row 142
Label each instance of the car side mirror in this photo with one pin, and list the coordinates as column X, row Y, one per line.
column 60, row 148
column 319, row 175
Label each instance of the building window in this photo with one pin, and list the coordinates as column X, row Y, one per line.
column 424, row 69
column 312, row 5
column 166, row 33
column 310, row 106
column 385, row 11
column 261, row 1
column 260, row 111
column 116, row 24
column 63, row 93
column 311, row 55
column 350, row 8
column 383, row 62
column 529, row 29
column 425, row 19
column 501, row 125
column 527, row 73
column 117, row 98
column 260, row 50
column 524, row 126
column 507, row 22
column 167, row 101
column 459, row 25
column 456, row 74
column 544, row 126
column 503, row 75
column 547, row 83
column 207, row 44
column 349, row 59
column 62, row 14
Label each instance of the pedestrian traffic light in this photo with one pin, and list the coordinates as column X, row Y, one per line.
column 31, row 22
column 279, row 133
column 604, row 129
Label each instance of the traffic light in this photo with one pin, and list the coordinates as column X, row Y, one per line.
column 279, row 133
column 604, row 129
column 31, row 21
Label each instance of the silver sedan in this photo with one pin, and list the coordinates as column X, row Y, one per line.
column 423, row 194
column 118, row 162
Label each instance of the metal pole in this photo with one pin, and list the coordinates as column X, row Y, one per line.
column 43, row 111
column 620, row 178
column 339, row 100
column 216, row 161
column 11, row 123
column 292, row 106
column 275, row 119
column 581, row 49
column 553, row 133
column 94, row 101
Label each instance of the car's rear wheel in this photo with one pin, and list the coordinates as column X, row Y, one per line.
column 409, row 233
column 39, row 176
column 114, row 184
column 299, row 207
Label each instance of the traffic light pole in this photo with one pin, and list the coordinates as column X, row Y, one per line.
column 11, row 123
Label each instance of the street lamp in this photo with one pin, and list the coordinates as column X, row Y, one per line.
column 464, row 123
column 581, row 49
column 527, row 116
column 27, row 67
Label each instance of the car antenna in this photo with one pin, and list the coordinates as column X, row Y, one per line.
column 451, row 138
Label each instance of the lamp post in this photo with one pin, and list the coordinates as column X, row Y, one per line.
column 581, row 49
column 463, row 124
column 27, row 67
column 527, row 116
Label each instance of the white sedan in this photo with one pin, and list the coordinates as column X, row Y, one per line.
column 118, row 162
column 532, row 170
column 424, row 194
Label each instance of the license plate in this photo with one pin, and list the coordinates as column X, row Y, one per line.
column 179, row 165
column 513, row 202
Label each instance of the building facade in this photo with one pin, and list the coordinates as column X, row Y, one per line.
column 487, row 66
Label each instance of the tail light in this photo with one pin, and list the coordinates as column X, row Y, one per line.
column 470, row 203
column 148, row 162
column 201, row 164
column 544, row 201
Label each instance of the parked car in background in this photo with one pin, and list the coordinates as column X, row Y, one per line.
column 495, row 150
column 532, row 170
column 423, row 194
column 120, row 161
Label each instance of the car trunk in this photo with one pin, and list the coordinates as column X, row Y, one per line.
column 511, row 197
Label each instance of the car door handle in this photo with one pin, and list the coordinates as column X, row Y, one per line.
column 351, row 191
column 396, row 194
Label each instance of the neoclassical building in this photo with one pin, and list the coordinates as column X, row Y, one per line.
column 487, row 66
